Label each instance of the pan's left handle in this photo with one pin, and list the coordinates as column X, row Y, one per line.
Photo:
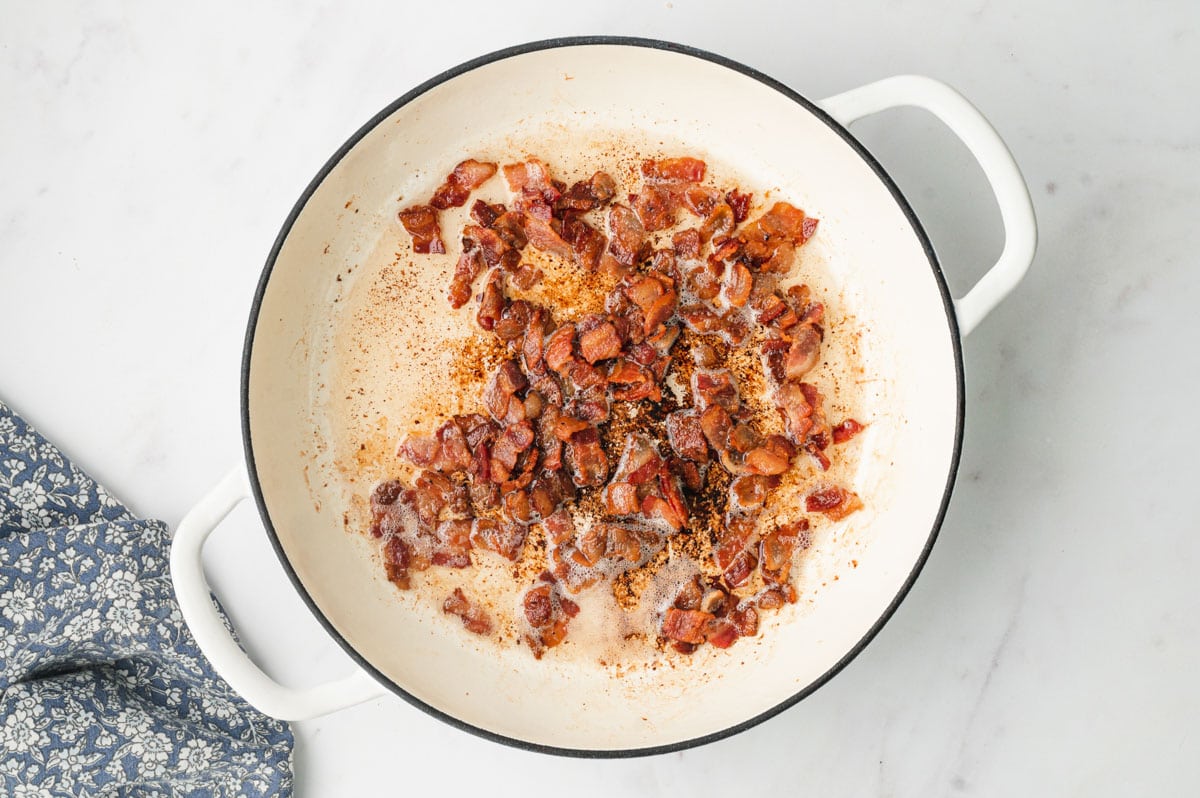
column 999, row 167
column 214, row 639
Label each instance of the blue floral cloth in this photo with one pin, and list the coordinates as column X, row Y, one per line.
column 104, row 689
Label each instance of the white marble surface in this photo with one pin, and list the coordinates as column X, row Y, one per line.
column 148, row 157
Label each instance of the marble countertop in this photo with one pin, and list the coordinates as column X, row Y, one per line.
column 1051, row 645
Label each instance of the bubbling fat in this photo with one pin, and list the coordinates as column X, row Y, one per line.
column 401, row 361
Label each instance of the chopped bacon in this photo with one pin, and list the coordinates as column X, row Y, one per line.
column 777, row 546
column 715, row 423
column 627, row 236
column 686, row 626
column 421, row 222
column 846, row 430
column 686, row 436
column 796, row 410
column 656, row 208
column 804, row 352
column 833, row 501
column 466, row 177
column 600, row 343
column 621, row 498
column 586, row 458
column 764, row 461
column 527, row 277
column 486, row 214
column 783, row 223
column 636, row 382
column 548, row 613
column 749, row 492
column 587, row 244
column 687, row 243
column 683, row 170
column 491, row 301
column 505, row 538
column 700, row 200
column 542, row 235
column 559, row 526
column 739, row 203
column 737, row 285
column 588, row 194
column 538, row 605
column 714, row 387
column 397, row 558
column 658, row 507
column 566, row 426
column 499, row 397
column 484, row 478
column 559, row 347
column 469, row 266
column 532, row 183
column 718, row 225
column 739, row 570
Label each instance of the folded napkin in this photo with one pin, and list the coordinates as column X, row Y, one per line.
column 104, row 689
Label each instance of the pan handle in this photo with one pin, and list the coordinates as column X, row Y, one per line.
column 214, row 637
column 1012, row 195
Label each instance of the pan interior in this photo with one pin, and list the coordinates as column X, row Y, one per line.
column 326, row 401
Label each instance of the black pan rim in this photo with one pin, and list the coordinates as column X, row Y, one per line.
column 622, row 41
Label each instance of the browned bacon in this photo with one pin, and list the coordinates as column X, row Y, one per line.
column 458, row 185
column 421, row 222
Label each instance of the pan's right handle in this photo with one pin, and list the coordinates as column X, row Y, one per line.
column 1012, row 195
column 214, row 639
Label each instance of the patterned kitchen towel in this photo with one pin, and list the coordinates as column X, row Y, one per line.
column 104, row 689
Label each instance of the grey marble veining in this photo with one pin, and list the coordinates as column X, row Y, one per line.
column 1050, row 647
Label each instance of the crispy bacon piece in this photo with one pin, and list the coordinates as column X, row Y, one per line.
column 485, row 214
column 749, row 492
column 796, row 410
column 804, row 352
column 635, row 382
column 714, row 387
column 458, row 185
column 588, row 194
column 397, row 557
column 627, row 236
column 503, row 537
column 541, row 235
column 740, row 569
column 776, row 549
column 833, row 501
column 686, row 436
column 599, row 343
column 738, row 533
column 765, row 461
column 846, row 430
column 656, row 207
column 469, row 266
column 421, row 222
column 699, row 200
column 683, row 170
column 586, row 458
column 501, row 389
column 782, row 224
column 587, row 244
column 472, row 615
column 718, row 225
column 533, row 186
column 549, row 614
column 737, row 285
column 492, row 300
column 716, row 424
column 687, row 243
column 739, row 203
column 685, row 626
